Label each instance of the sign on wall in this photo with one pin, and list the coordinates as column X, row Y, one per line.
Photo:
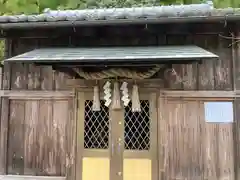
column 218, row 112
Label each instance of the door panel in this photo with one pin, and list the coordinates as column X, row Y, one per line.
column 140, row 135
column 96, row 168
column 137, row 168
column 93, row 140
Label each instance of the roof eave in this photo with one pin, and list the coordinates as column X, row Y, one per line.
column 53, row 24
column 119, row 55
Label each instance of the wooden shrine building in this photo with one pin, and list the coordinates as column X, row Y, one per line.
column 146, row 93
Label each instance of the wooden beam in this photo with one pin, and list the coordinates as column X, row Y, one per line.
column 12, row 94
column 237, row 92
column 144, row 83
column 199, row 94
column 17, row 177
column 138, row 30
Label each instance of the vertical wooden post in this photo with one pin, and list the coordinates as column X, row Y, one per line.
column 236, row 86
column 5, row 112
column 71, row 130
column 117, row 143
column 79, row 136
column 154, row 134
column 4, row 123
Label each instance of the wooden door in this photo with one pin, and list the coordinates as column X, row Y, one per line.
column 93, row 140
column 140, row 140
column 116, row 144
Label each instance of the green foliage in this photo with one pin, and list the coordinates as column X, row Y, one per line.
column 37, row 6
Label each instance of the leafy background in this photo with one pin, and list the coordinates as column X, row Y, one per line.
column 37, row 6
column 8, row 7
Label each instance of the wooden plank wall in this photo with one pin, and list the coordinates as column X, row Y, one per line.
column 190, row 148
column 41, row 132
column 38, row 134
column 210, row 75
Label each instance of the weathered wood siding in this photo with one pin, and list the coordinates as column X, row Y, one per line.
column 210, row 75
column 38, row 141
column 39, row 130
column 31, row 77
column 189, row 147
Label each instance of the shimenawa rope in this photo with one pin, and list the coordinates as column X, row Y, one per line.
column 117, row 72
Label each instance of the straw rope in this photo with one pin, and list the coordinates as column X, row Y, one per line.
column 117, row 72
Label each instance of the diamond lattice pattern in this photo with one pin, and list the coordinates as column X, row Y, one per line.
column 137, row 127
column 96, row 127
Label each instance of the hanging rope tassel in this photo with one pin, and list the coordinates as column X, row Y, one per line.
column 116, row 96
column 96, row 99
column 136, row 105
column 125, row 95
column 107, row 93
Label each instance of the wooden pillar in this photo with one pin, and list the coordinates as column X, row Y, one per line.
column 4, row 123
column 5, row 111
column 71, row 130
column 236, row 86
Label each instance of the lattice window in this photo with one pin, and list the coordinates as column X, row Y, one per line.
column 96, row 127
column 137, row 127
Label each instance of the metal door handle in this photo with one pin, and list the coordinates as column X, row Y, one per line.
column 119, row 147
column 112, row 149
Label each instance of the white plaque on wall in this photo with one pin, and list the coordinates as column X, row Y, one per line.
column 218, row 112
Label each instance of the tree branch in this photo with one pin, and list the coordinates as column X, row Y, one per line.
column 237, row 39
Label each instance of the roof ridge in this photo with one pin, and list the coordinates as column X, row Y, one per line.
column 111, row 13
column 118, row 14
column 210, row 4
